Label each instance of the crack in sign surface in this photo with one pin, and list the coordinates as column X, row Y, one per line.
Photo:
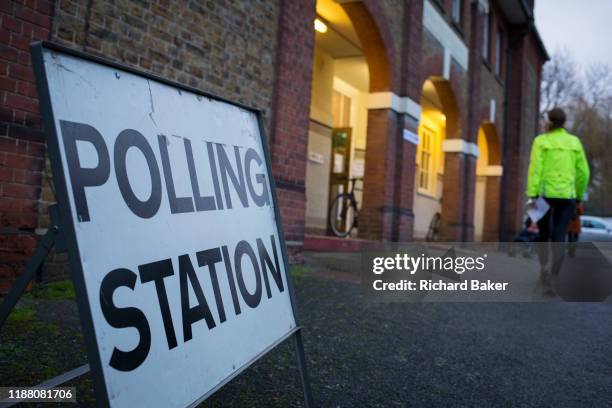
column 152, row 111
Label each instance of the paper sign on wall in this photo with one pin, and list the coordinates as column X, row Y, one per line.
column 411, row 137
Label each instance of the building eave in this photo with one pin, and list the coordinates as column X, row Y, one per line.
column 519, row 13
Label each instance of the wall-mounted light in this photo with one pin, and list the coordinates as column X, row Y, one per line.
column 320, row 26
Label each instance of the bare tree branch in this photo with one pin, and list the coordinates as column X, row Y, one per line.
column 560, row 83
column 587, row 99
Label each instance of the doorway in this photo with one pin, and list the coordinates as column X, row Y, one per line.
column 338, row 115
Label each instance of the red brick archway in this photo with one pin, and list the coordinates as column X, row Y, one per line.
column 450, row 107
column 365, row 17
column 437, row 94
column 459, row 160
column 379, row 216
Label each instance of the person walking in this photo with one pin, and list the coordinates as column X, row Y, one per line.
column 558, row 172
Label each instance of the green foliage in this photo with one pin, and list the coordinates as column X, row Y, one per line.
column 299, row 271
column 62, row 290
column 22, row 314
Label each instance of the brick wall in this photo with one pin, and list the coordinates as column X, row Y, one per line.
column 388, row 19
column 376, row 219
column 492, row 86
column 490, row 230
column 226, row 48
column 412, row 47
column 289, row 141
column 432, row 58
column 22, row 147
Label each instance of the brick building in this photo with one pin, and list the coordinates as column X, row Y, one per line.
column 462, row 76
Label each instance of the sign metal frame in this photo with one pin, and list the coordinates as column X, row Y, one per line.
column 67, row 227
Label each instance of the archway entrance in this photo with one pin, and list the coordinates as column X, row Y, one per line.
column 488, row 179
column 338, row 129
column 438, row 125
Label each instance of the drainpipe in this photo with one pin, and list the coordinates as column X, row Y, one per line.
column 511, row 46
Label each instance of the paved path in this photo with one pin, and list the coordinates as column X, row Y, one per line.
column 366, row 354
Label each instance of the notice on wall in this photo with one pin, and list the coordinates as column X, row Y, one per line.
column 315, row 157
column 358, row 168
column 174, row 240
column 411, row 137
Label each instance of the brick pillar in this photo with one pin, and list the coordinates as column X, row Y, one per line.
column 290, row 120
column 377, row 215
column 405, row 183
column 455, row 163
column 22, row 143
column 490, row 230
column 386, row 212
column 474, row 118
column 412, row 44
column 512, row 208
column 411, row 86
column 470, row 198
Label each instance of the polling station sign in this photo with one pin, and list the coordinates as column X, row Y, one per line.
column 169, row 212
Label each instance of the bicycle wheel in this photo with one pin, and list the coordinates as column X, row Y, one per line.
column 434, row 228
column 342, row 215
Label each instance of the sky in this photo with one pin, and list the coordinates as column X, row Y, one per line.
column 583, row 27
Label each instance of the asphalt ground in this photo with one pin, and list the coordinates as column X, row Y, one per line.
column 369, row 354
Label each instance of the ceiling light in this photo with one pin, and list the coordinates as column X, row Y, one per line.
column 320, row 26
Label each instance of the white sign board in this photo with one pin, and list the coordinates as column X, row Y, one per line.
column 172, row 223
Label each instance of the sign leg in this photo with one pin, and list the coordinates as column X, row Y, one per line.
column 33, row 265
column 299, row 350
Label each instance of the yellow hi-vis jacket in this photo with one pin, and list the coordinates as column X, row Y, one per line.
column 558, row 167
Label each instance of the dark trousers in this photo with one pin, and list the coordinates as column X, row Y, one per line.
column 553, row 227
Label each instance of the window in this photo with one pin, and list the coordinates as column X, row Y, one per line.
column 485, row 38
column 456, row 11
column 498, row 52
column 593, row 224
column 426, row 179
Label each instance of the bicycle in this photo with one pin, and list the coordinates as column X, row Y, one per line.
column 434, row 228
column 343, row 211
